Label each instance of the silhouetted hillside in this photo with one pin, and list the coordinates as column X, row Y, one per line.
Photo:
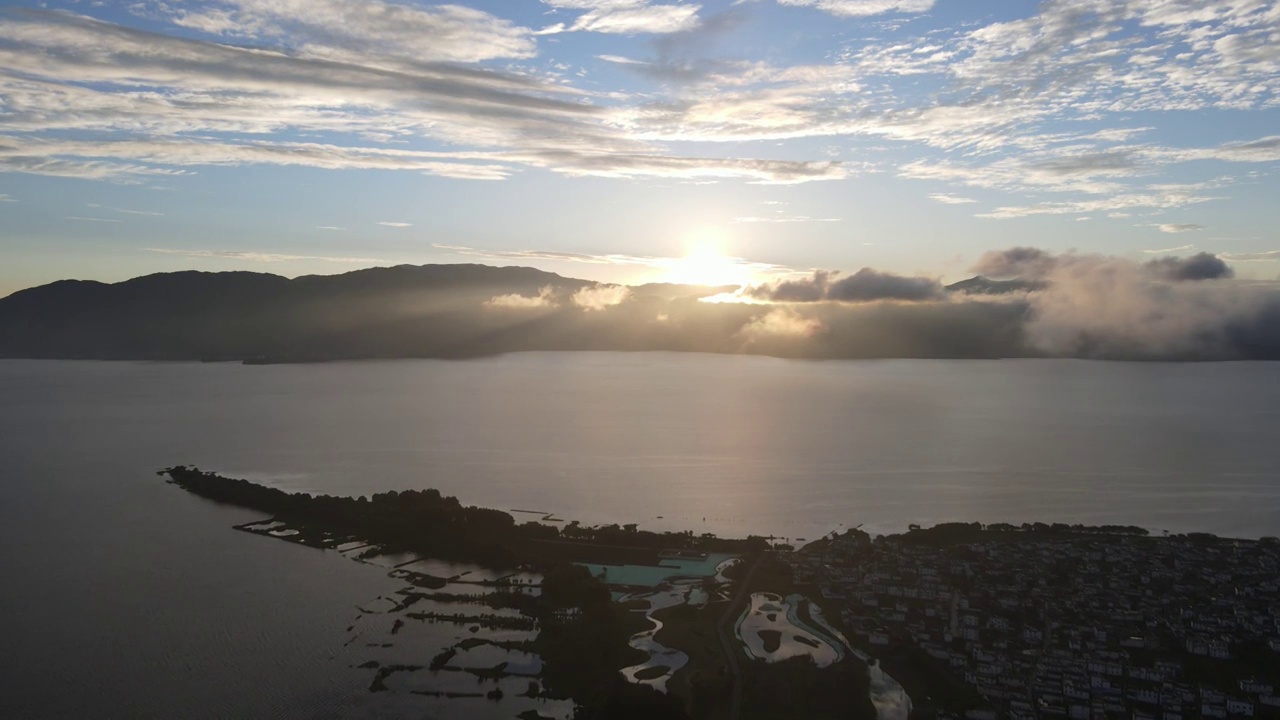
column 393, row 311
column 460, row 311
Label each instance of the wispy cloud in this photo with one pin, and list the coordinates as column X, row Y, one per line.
column 863, row 8
column 1167, row 251
column 620, row 60
column 747, row 267
column 262, row 257
column 782, row 219
column 82, row 218
column 599, row 297
column 386, row 72
column 1176, row 228
column 386, row 223
column 333, row 29
column 624, row 17
column 1043, row 103
column 545, row 298
column 949, row 199
column 1264, row 256
column 1160, row 198
column 780, row 323
column 123, row 211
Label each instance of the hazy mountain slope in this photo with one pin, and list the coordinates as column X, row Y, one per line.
column 459, row 311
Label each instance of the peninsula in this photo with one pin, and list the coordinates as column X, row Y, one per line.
column 982, row 622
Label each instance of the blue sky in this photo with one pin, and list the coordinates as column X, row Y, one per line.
column 608, row 139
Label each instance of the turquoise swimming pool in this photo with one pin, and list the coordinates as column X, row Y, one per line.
column 654, row 575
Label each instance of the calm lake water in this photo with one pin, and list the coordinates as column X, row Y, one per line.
column 125, row 597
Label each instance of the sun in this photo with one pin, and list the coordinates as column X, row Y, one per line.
column 705, row 261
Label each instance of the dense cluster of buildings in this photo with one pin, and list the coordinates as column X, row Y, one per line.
column 1070, row 625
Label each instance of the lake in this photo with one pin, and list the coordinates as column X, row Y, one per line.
column 129, row 598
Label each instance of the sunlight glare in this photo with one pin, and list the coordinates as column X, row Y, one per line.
column 705, row 261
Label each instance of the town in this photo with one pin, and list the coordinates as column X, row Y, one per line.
column 1054, row 621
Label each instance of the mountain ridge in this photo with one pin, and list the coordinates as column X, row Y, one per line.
column 473, row 310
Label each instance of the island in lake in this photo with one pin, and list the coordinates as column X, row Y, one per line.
column 537, row 617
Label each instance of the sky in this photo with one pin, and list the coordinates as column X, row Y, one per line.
column 633, row 140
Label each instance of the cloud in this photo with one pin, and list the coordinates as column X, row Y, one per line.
column 545, row 298
column 124, row 211
column 7, row 198
column 1169, row 308
column 1201, row 266
column 866, row 285
column 782, row 219
column 329, row 227
column 863, row 8
column 811, row 289
column 1179, row 227
column 620, row 60
column 337, row 29
column 599, row 297
column 1265, row 256
column 1166, row 251
column 92, row 219
column 85, row 74
column 1087, row 305
column 780, row 323
column 1163, row 198
column 1029, row 263
column 256, row 256
column 1265, row 149
column 386, row 223
column 1098, row 306
column 19, row 154
column 553, row 255
column 748, row 267
column 949, row 199
column 46, row 157
column 625, row 17
column 162, row 103
column 1034, row 103
column 1044, row 103
column 627, row 165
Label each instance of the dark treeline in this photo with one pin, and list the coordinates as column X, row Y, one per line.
column 412, row 521
column 427, row 522
column 961, row 532
column 953, row 532
column 943, row 530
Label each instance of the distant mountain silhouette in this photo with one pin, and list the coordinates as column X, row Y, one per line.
column 462, row 311
column 393, row 311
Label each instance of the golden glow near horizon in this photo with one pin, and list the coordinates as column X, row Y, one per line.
column 706, row 261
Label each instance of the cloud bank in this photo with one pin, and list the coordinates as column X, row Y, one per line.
column 865, row 285
column 163, row 101
column 1039, row 304
column 1109, row 307
column 1079, row 306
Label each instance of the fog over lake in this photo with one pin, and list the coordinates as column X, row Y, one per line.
column 143, row 598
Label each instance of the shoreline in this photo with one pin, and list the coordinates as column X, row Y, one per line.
column 269, row 361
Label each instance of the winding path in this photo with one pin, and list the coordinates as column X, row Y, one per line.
column 727, row 640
